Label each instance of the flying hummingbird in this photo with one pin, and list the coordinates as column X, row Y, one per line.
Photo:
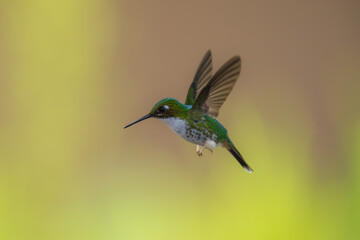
column 195, row 120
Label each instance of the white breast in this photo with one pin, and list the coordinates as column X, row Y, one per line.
column 177, row 125
column 180, row 127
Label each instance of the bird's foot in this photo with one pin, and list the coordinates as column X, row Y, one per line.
column 199, row 150
column 208, row 146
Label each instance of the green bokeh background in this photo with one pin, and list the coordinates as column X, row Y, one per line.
column 74, row 72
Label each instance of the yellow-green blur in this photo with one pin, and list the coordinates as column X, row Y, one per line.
column 73, row 73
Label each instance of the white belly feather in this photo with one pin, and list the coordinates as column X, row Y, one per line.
column 177, row 125
column 180, row 127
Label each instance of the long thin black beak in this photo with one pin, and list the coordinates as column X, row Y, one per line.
column 139, row 120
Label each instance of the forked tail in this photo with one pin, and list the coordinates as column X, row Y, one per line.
column 230, row 146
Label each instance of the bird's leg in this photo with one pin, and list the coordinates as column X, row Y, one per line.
column 202, row 148
column 198, row 150
column 207, row 147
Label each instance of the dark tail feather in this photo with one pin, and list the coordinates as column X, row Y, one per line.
column 238, row 157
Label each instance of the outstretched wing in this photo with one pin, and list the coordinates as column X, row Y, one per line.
column 213, row 95
column 202, row 76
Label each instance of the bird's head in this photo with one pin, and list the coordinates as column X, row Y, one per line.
column 165, row 108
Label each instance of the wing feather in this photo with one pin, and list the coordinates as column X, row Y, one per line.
column 214, row 94
column 202, row 77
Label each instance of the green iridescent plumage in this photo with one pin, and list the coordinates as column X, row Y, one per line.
column 195, row 120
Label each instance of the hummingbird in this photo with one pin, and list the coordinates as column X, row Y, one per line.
column 195, row 120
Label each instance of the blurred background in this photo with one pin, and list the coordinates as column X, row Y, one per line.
column 73, row 73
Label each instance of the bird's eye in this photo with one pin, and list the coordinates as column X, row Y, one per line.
column 161, row 109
